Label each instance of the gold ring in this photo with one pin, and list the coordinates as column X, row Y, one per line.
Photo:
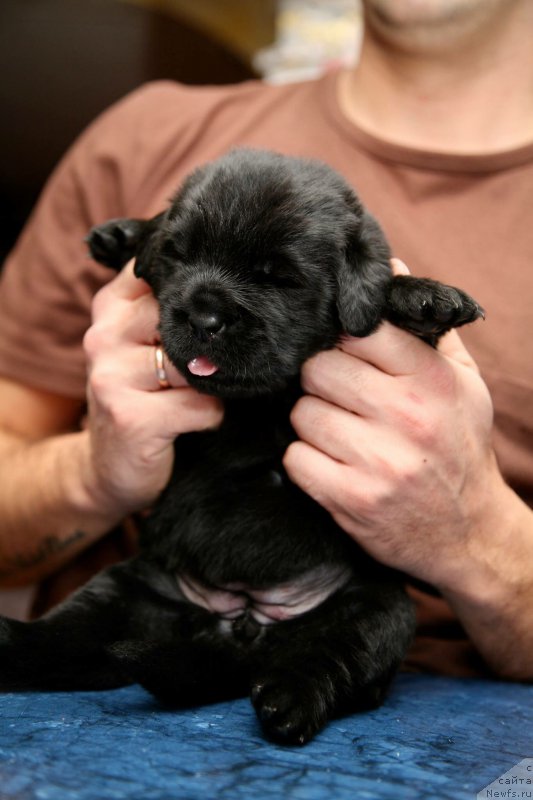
column 160, row 371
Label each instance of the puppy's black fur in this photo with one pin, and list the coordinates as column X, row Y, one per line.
column 260, row 262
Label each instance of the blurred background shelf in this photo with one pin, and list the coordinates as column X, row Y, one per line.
column 64, row 61
column 243, row 26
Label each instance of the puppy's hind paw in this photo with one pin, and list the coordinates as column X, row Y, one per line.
column 14, row 657
column 429, row 308
column 290, row 711
column 5, row 631
column 179, row 675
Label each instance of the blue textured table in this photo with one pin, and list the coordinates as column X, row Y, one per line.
column 434, row 738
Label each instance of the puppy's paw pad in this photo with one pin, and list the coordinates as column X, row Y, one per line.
column 429, row 307
column 288, row 713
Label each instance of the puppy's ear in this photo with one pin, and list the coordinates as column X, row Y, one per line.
column 363, row 276
column 147, row 247
column 117, row 241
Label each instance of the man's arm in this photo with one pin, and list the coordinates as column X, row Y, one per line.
column 47, row 516
column 395, row 441
column 27, row 417
column 61, row 491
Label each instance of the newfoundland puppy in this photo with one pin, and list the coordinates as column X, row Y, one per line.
column 243, row 583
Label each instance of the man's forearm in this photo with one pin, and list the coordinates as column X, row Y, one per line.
column 492, row 594
column 47, row 511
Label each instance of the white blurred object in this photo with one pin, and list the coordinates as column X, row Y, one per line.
column 313, row 36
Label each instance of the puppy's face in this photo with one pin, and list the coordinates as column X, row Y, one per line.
column 244, row 322
column 247, row 267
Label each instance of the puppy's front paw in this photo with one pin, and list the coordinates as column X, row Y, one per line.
column 114, row 242
column 429, row 308
column 290, row 707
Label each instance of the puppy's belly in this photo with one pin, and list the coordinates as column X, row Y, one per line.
column 266, row 606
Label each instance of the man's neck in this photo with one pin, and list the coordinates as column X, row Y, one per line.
column 471, row 95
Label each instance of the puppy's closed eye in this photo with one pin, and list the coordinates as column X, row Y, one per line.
column 173, row 250
column 277, row 271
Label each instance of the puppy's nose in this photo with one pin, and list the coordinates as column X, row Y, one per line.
column 206, row 324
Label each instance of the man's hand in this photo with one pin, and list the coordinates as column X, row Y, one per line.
column 83, row 483
column 395, row 441
column 396, row 444
column 132, row 422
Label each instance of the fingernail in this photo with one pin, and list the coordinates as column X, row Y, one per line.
column 399, row 267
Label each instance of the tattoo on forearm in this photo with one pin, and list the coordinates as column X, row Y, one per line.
column 49, row 546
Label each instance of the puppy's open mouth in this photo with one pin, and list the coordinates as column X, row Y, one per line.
column 202, row 367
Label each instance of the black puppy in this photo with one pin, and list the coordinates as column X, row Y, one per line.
column 243, row 582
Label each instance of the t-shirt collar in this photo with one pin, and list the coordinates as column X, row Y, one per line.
column 411, row 157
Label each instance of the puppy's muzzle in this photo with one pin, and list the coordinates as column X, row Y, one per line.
column 207, row 324
column 210, row 313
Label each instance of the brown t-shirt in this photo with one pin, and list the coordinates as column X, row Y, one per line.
column 461, row 219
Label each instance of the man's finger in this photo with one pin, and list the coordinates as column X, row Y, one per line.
column 391, row 350
column 183, row 411
column 125, row 285
column 451, row 346
column 332, row 430
column 136, row 369
column 398, row 267
column 363, row 444
column 141, row 320
column 345, row 381
column 315, row 473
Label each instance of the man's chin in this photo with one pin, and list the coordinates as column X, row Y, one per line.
column 420, row 12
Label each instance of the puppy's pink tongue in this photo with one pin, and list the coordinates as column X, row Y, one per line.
column 201, row 366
